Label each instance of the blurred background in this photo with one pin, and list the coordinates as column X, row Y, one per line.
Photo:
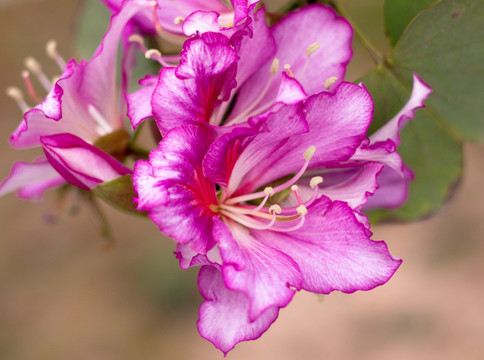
column 63, row 296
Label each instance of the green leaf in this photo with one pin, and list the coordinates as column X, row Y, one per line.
column 118, row 193
column 93, row 23
column 432, row 153
column 444, row 45
column 399, row 13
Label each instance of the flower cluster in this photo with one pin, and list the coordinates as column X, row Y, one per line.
column 264, row 165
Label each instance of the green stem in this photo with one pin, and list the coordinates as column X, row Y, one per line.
column 377, row 56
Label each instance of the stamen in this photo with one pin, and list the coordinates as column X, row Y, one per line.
column 248, row 221
column 103, row 126
column 274, row 66
column 275, row 209
column 160, row 31
column 301, row 210
column 312, row 48
column 315, row 181
column 330, row 82
column 178, row 20
column 139, row 40
column 294, row 189
column 289, row 229
column 30, row 87
column 154, row 54
column 17, row 95
column 35, row 68
column 268, row 191
column 308, row 154
column 288, row 70
column 51, row 49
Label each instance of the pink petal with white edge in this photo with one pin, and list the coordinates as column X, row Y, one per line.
column 31, row 180
column 333, row 250
column 200, row 22
column 139, row 102
column 188, row 258
column 80, row 163
column 223, row 316
column 390, row 131
column 263, row 273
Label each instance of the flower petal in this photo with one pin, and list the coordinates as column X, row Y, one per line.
column 139, row 105
column 333, row 250
column 223, row 316
column 80, row 163
column 172, row 188
column 202, row 80
column 31, row 180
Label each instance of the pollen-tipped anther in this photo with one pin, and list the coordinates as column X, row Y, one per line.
column 312, row 48
column 274, row 66
column 33, row 65
column 308, row 154
column 288, row 70
column 137, row 39
column 51, row 49
column 152, row 52
column 315, row 181
column 302, row 210
column 17, row 95
column 178, row 20
column 330, row 82
column 294, row 188
column 269, row 191
column 275, row 209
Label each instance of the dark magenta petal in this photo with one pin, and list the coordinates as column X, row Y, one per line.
column 80, row 163
column 172, row 188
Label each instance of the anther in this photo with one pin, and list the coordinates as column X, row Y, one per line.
column 17, row 95
column 152, row 52
column 288, row 70
column 51, row 49
column 35, row 67
column 330, row 82
column 312, row 48
column 178, row 20
column 274, row 66
column 294, row 188
column 308, row 154
column 269, row 191
column 302, row 210
column 275, row 209
column 137, row 39
column 315, row 181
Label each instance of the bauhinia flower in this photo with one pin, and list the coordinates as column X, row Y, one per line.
column 233, row 204
column 79, row 125
column 247, row 201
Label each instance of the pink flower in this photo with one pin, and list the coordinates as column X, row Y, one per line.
column 83, row 105
column 237, row 180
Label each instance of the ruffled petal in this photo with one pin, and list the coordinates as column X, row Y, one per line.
column 263, row 273
column 139, row 102
column 337, row 122
column 333, row 250
column 223, row 316
column 80, row 163
column 31, row 180
column 393, row 189
column 172, row 188
column 203, row 79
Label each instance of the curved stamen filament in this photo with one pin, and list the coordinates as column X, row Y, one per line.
column 36, row 69
column 250, row 209
column 51, row 49
column 162, row 32
column 250, row 222
column 17, row 95
column 30, row 87
column 308, row 154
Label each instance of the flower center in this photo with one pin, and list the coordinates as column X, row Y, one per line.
column 274, row 217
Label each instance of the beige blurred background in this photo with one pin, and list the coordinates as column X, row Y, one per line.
column 63, row 297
